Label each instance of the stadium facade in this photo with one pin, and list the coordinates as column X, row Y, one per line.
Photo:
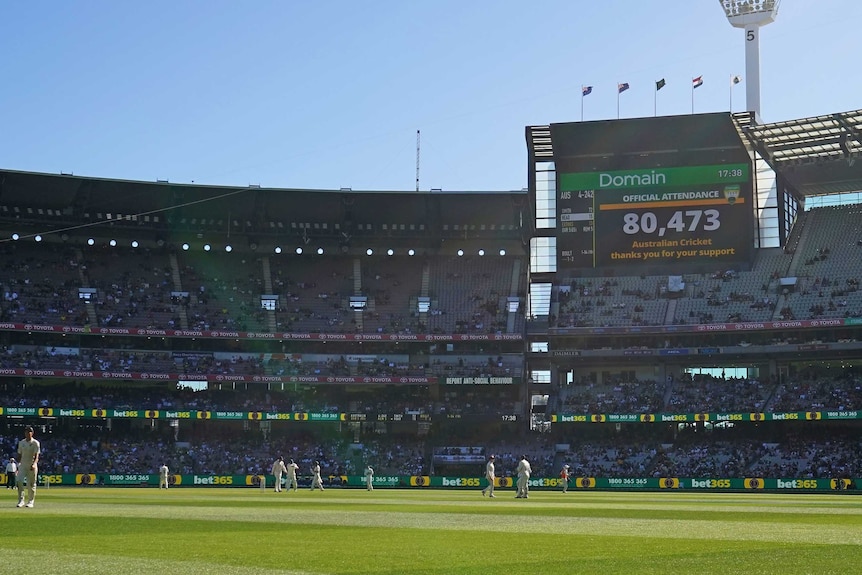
column 584, row 319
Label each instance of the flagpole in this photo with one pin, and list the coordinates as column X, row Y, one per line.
column 618, row 101
column 731, row 93
column 655, row 103
column 692, row 95
column 582, row 103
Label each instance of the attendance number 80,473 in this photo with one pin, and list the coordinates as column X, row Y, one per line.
column 680, row 221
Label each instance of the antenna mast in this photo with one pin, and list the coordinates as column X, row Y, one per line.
column 417, row 160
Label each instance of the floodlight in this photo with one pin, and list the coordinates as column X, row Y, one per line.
column 134, row 243
column 113, row 243
column 481, row 252
column 751, row 15
column 460, row 253
column 278, row 249
column 207, row 247
column 228, row 248
column 91, row 242
column 38, row 238
column 320, row 251
column 15, row 237
column 369, row 252
column 186, row 247
column 299, row 251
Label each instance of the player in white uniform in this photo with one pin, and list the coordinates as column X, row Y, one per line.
column 564, row 478
column 490, row 475
column 316, row 481
column 11, row 473
column 291, row 475
column 278, row 468
column 163, row 477
column 369, row 478
column 523, row 478
column 28, row 454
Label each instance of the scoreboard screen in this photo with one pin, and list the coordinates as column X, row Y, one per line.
column 655, row 216
column 647, row 195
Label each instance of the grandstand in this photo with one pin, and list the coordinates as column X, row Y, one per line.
column 148, row 320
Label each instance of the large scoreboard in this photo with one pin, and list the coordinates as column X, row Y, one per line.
column 667, row 194
column 653, row 216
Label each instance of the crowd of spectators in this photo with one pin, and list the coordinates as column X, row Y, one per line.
column 718, row 454
column 840, row 393
column 618, row 396
column 203, row 363
column 715, row 454
column 137, row 289
column 405, row 399
column 775, row 289
column 703, row 393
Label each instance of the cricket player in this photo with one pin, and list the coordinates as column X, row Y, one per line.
column 316, row 481
column 278, row 469
column 28, row 455
column 564, row 478
column 523, row 478
column 490, row 475
column 291, row 475
column 369, row 478
column 163, row 477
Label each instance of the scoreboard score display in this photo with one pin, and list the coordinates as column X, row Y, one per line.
column 654, row 216
column 666, row 194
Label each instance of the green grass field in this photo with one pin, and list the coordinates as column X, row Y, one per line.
column 233, row 530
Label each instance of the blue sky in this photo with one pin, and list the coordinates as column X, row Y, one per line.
column 329, row 94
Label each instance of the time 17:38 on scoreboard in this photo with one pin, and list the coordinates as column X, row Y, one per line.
column 659, row 217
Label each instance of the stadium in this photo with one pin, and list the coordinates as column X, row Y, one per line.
column 671, row 307
column 424, row 331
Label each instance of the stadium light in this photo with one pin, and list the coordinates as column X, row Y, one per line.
column 38, row 238
column 411, row 252
column 134, row 243
column 278, row 249
column 113, row 243
column 320, row 251
column 207, row 247
column 15, row 237
column 91, row 242
column 502, row 252
column 751, row 15
column 481, row 252
column 390, row 252
column 228, row 248
column 460, row 253
column 186, row 247
column 299, row 251
column 369, row 252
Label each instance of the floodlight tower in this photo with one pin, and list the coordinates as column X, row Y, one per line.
column 751, row 15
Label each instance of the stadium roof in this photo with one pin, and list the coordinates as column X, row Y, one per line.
column 45, row 202
column 817, row 156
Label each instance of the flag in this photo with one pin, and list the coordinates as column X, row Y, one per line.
column 659, row 85
column 622, row 87
column 735, row 80
column 586, row 90
column 696, row 82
